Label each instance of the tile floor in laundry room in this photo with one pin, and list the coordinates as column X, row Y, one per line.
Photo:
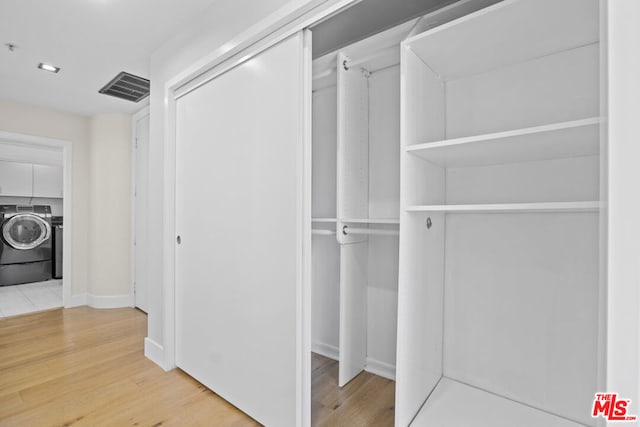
column 30, row 297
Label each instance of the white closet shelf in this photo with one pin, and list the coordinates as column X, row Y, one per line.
column 327, row 220
column 371, row 220
column 589, row 206
column 574, row 138
column 456, row 404
column 488, row 39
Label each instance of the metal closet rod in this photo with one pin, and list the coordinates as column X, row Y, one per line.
column 346, row 230
column 323, row 232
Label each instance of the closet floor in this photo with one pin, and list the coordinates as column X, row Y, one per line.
column 456, row 404
column 367, row 400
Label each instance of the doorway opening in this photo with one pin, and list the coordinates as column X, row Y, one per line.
column 36, row 205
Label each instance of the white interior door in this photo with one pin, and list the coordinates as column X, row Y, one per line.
column 141, row 245
column 243, row 217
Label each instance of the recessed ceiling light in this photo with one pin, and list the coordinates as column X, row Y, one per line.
column 48, row 67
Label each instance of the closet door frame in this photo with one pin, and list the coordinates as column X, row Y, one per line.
column 620, row 97
column 269, row 32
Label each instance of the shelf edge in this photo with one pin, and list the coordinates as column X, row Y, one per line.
column 503, row 135
column 591, row 206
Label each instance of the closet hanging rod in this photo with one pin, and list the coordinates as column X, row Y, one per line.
column 324, row 74
column 329, row 220
column 346, row 230
column 384, row 52
column 323, row 232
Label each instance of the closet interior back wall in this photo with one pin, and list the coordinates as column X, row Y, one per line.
column 384, row 203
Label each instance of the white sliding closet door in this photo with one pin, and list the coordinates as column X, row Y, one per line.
column 243, row 216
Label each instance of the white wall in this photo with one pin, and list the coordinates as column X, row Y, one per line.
column 110, row 205
column 29, row 120
column 218, row 25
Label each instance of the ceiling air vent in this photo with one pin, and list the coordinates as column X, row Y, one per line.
column 127, row 86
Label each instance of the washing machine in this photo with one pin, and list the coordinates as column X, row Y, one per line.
column 25, row 244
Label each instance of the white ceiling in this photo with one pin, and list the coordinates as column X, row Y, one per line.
column 91, row 40
column 367, row 18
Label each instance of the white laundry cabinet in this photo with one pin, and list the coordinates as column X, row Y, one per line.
column 30, row 180
column 16, row 179
column 429, row 201
column 47, row 181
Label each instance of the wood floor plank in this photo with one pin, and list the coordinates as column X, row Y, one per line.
column 86, row 367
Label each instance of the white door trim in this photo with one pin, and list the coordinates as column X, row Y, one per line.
column 135, row 119
column 67, row 194
column 622, row 152
column 276, row 27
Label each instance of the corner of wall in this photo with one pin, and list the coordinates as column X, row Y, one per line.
column 154, row 352
column 110, row 230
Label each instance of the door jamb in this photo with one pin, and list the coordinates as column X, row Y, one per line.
column 135, row 119
column 67, row 204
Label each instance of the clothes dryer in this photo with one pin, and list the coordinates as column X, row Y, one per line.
column 25, row 244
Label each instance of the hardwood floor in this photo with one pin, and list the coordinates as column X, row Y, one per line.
column 367, row 400
column 86, row 367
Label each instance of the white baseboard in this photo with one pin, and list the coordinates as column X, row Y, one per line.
column 99, row 301
column 76, row 301
column 115, row 301
column 325, row 350
column 154, row 352
column 376, row 367
column 382, row 369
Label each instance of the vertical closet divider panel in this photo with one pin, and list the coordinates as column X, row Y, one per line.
column 421, row 264
column 353, row 202
column 604, row 318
